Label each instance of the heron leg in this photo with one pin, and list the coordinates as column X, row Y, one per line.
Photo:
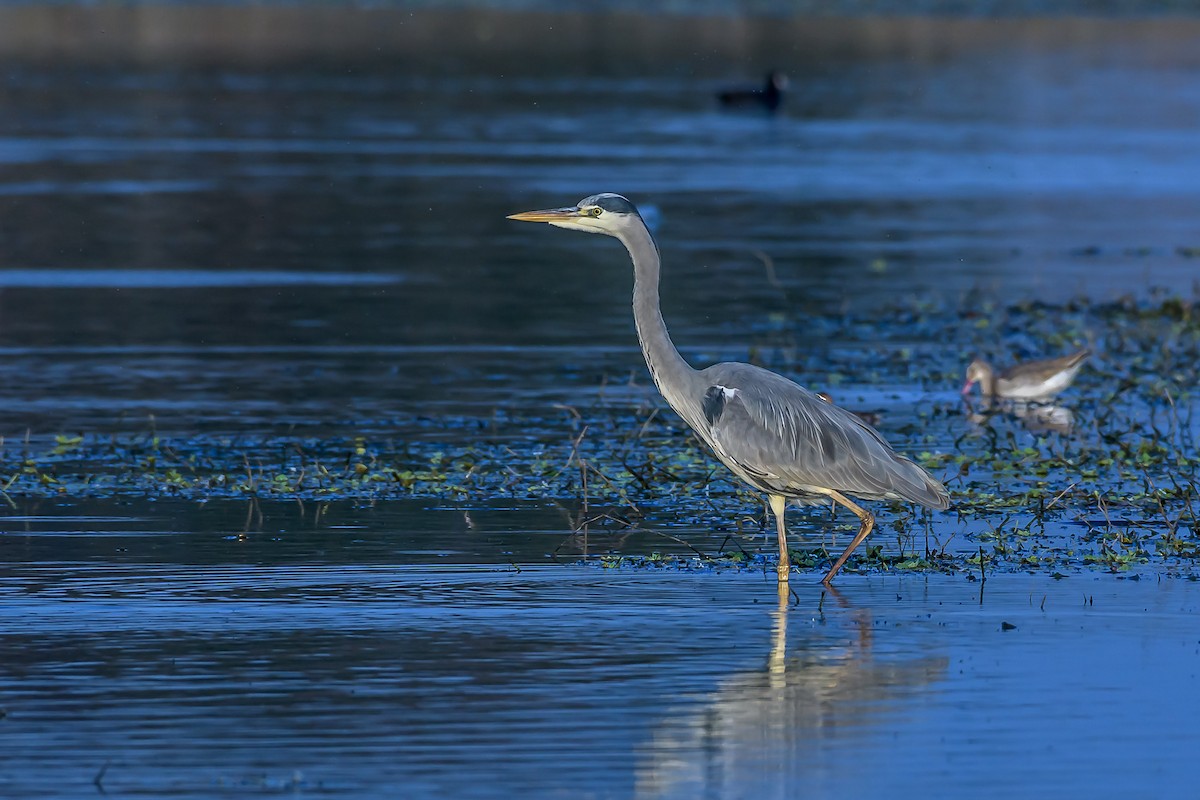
column 868, row 522
column 778, row 506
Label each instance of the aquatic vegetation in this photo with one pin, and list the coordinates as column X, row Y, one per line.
column 1116, row 489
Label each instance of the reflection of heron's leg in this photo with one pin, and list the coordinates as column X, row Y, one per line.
column 862, row 620
column 868, row 522
column 778, row 505
column 777, row 664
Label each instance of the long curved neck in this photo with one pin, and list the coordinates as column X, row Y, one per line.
column 672, row 375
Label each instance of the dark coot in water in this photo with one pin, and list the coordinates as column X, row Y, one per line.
column 768, row 97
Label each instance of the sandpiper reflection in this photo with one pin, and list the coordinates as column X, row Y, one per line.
column 1034, row 417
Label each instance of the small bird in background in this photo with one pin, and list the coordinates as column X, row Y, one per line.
column 1029, row 380
column 769, row 97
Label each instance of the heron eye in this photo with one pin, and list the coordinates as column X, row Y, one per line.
column 595, row 211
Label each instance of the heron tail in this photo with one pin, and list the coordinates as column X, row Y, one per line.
column 918, row 486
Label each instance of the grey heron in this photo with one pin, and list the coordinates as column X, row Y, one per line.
column 771, row 432
column 1029, row 380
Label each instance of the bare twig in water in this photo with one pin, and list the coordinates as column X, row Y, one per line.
column 729, row 537
column 574, row 454
column 1058, row 497
column 582, row 526
column 1104, row 510
column 677, row 540
column 611, row 486
column 600, row 518
column 637, row 476
column 982, row 576
column 583, row 470
column 99, row 779
column 769, row 265
column 569, row 409
column 646, row 425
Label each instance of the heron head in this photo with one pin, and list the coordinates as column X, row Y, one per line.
column 606, row 213
column 977, row 371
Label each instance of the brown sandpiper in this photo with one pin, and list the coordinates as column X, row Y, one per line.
column 1029, row 380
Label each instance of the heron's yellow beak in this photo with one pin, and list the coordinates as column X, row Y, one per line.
column 548, row 215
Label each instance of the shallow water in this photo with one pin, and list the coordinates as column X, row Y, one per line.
column 228, row 262
column 343, row 676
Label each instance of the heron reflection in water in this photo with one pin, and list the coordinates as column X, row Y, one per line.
column 772, row 433
column 764, row 732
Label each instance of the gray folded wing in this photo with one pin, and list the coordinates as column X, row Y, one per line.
column 785, row 439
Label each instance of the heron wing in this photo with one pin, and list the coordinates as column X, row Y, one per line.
column 784, row 438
